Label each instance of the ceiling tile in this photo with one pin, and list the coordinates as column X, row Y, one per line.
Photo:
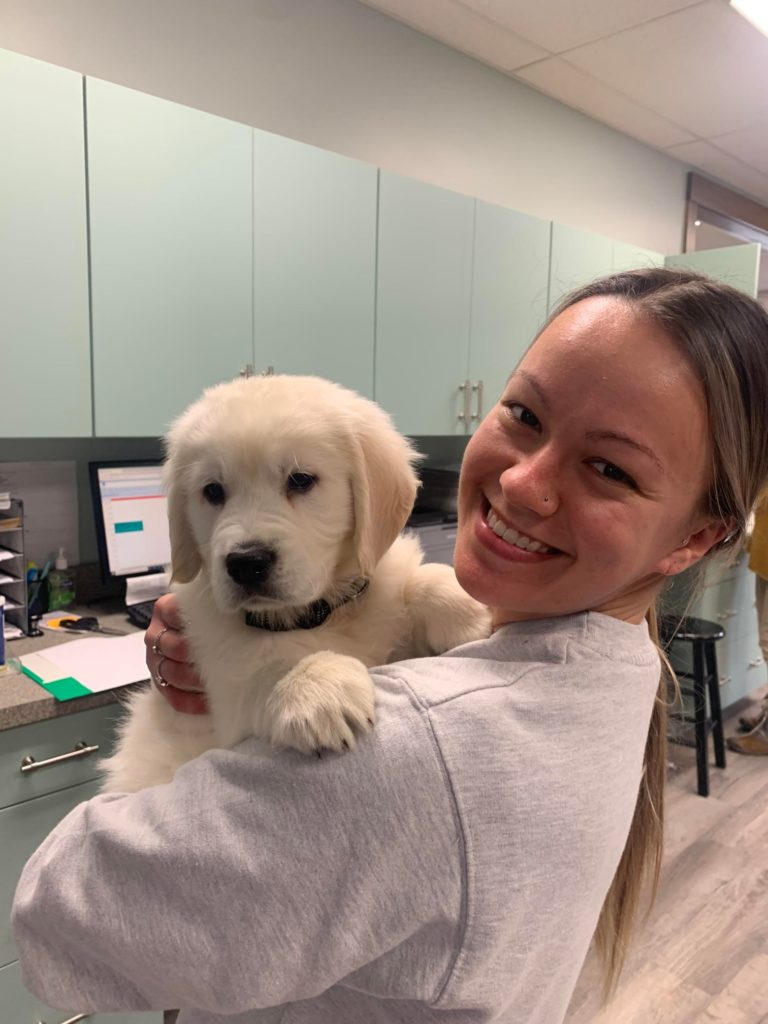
column 451, row 22
column 750, row 146
column 704, row 68
column 562, row 24
column 713, row 160
column 557, row 78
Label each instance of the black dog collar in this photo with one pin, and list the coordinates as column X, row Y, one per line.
column 313, row 615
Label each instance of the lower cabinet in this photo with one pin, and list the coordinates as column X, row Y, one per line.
column 62, row 753
column 19, row 1007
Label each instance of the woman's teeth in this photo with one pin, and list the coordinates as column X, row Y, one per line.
column 518, row 540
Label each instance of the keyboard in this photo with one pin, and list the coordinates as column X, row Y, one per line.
column 140, row 614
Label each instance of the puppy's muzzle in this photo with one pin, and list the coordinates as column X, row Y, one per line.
column 252, row 567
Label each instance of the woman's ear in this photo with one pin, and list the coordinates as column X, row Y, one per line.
column 693, row 548
column 185, row 554
column 384, row 486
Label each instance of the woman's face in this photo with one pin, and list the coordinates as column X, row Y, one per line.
column 595, row 459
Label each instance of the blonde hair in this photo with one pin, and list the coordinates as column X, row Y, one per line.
column 724, row 333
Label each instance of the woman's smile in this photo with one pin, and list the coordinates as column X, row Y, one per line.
column 503, row 539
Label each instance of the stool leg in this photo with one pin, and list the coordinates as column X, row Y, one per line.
column 716, row 712
column 700, row 715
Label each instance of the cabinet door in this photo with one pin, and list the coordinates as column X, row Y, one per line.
column 423, row 304
column 314, row 267
column 171, row 261
column 21, row 1007
column 632, row 257
column 509, row 296
column 736, row 265
column 578, row 257
column 44, row 331
column 22, row 828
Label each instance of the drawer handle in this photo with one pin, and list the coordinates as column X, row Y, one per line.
column 724, row 680
column 756, row 662
column 467, row 388
column 72, row 1020
column 29, row 764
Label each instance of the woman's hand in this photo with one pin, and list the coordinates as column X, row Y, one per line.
column 167, row 659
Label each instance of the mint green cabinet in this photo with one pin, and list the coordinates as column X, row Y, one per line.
column 314, row 265
column 44, row 335
column 577, row 257
column 509, row 298
column 736, row 265
column 633, row 257
column 423, row 304
column 171, row 255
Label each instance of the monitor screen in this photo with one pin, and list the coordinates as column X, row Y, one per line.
column 131, row 515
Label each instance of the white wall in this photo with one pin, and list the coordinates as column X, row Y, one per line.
column 341, row 76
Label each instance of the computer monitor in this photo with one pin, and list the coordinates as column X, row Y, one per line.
column 131, row 513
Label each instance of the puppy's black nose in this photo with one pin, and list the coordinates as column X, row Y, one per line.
column 252, row 566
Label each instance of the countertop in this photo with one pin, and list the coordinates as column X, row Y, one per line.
column 23, row 702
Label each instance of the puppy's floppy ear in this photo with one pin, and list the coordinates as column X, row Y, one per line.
column 185, row 555
column 384, row 484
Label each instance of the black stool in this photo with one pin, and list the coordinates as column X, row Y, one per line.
column 702, row 636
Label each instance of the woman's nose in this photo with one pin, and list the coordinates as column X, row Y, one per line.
column 531, row 484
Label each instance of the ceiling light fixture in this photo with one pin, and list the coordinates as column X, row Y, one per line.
column 755, row 11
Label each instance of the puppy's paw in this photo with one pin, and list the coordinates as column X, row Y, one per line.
column 321, row 704
column 444, row 615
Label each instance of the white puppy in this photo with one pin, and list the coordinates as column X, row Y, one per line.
column 286, row 499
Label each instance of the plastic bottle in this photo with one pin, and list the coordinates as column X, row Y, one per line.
column 61, row 584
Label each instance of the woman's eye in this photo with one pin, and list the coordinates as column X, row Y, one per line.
column 300, row 483
column 522, row 414
column 214, row 493
column 611, row 472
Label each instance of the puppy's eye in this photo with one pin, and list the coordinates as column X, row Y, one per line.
column 300, row 483
column 214, row 493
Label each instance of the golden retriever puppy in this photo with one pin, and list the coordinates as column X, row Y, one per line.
column 286, row 500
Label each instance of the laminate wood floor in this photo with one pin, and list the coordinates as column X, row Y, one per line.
column 702, row 956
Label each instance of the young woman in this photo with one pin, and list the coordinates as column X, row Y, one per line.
column 509, row 802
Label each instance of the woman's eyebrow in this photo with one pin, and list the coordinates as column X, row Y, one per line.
column 534, row 384
column 614, row 435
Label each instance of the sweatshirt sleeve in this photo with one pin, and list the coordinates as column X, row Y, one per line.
column 254, row 879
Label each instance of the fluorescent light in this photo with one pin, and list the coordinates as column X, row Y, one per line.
column 755, row 11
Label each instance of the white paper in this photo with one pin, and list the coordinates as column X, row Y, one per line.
column 49, row 493
column 5, row 554
column 146, row 588
column 101, row 663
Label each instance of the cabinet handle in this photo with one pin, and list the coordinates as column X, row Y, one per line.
column 756, row 662
column 247, row 371
column 72, row 1020
column 479, row 389
column 269, row 372
column 466, row 387
column 29, row 764
column 724, row 680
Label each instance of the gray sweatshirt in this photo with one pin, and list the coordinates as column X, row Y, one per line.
column 451, row 868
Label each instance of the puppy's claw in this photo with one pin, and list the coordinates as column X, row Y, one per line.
column 321, row 704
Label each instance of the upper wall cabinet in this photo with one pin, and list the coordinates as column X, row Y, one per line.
column 314, row 267
column 423, row 304
column 171, row 255
column 44, row 337
column 736, row 265
column 509, row 298
column 579, row 257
